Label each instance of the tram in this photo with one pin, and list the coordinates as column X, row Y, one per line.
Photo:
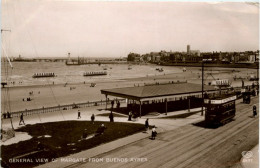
column 220, row 110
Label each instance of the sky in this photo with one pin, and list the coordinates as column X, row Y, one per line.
column 49, row 28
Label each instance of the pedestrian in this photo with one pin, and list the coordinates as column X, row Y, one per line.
column 154, row 133
column 8, row 114
column 112, row 103
column 147, row 124
column 79, row 114
column 118, row 104
column 254, row 111
column 111, row 117
column 4, row 115
column 21, row 119
column 130, row 116
column 92, row 118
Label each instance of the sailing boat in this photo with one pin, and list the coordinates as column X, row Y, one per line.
column 6, row 133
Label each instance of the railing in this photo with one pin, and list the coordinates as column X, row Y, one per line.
column 42, row 110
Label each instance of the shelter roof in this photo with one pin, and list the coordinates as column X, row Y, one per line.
column 160, row 90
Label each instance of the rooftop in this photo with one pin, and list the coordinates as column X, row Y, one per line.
column 160, row 90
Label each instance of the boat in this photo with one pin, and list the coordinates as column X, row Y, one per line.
column 43, row 75
column 160, row 70
column 95, row 73
column 72, row 63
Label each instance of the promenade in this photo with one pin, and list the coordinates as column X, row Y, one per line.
column 178, row 144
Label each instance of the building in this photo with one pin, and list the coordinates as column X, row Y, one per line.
column 160, row 97
column 188, row 49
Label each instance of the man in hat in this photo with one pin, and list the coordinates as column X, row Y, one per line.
column 79, row 114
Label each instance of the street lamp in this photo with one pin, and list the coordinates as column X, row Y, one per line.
column 202, row 86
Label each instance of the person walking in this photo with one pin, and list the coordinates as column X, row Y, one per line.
column 154, row 133
column 254, row 111
column 130, row 116
column 92, row 118
column 118, row 104
column 147, row 124
column 111, row 117
column 112, row 104
column 79, row 114
column 8, row 114
column 21, row 119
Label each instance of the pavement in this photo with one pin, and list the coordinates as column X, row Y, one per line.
column 162, row 125
column 86, row 113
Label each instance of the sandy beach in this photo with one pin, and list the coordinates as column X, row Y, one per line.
column 59, row 94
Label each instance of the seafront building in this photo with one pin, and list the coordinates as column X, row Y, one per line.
column 195, row 56
column 161, row 98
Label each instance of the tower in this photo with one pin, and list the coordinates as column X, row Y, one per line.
column 188, row 49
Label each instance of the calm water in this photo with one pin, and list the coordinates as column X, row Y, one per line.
column 23, row 71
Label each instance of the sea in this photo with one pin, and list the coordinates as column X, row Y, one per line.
column 22, row 72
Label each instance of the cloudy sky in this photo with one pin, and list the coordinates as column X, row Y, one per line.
column 41, row 28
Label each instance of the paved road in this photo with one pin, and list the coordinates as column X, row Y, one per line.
column 187, row 146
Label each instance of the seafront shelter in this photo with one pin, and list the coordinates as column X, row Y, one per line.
column 161, row 98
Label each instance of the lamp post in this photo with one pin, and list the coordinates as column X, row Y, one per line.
column 202, row 86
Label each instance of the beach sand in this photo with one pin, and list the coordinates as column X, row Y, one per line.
column 54, row 95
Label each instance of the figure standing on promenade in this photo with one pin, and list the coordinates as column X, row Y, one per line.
column 118, row 104
column 8, row 114
column 254, row 111
column 79, row 114
column 147, row 124
column 154, row 133
column 243, row 83
column 4, row 115
column 111, row 117
column 130, row 116
column 112, row 104
column 21, row 119
column 92, row 118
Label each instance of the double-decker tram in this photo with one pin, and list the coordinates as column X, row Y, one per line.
column 219, row 109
